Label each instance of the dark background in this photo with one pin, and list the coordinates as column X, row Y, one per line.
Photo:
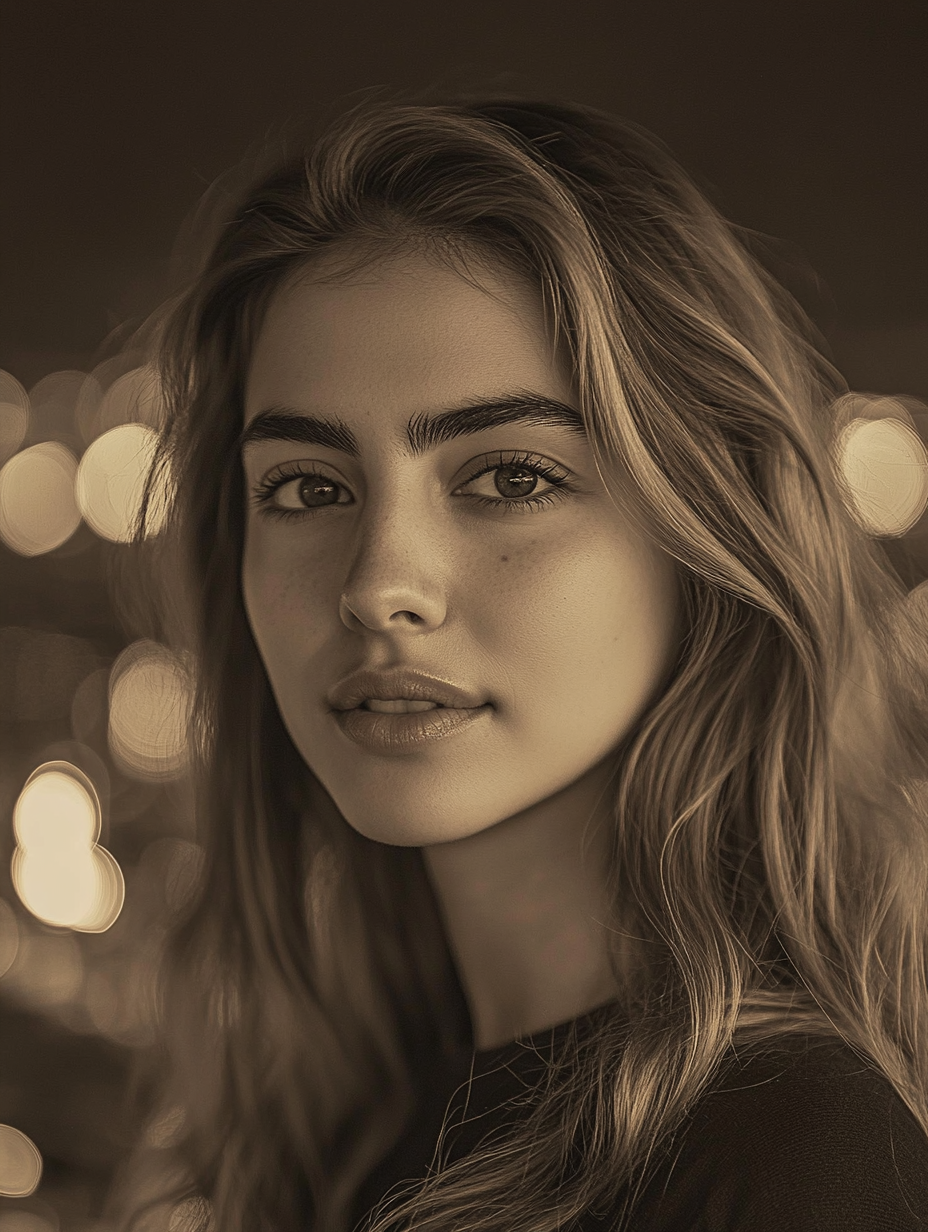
column 803, row 118
column 804, row 121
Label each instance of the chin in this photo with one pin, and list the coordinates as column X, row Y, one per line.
column 412, row 827
column 396, row 831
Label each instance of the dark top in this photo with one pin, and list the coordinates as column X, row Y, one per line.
column 801, row 1137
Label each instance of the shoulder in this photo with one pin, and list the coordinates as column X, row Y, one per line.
column 801, row 1135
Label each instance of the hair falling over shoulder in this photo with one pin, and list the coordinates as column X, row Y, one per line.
column 769, row 860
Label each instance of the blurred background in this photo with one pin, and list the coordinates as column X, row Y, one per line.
column 804, row 122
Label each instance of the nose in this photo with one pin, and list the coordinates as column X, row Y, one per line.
column 395, row 578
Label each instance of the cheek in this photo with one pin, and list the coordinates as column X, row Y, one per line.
column 285, row 600
column 593, row 631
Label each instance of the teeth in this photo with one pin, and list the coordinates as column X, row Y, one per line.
column 400, row 705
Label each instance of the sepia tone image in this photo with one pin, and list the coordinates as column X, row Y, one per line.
column 463, row 617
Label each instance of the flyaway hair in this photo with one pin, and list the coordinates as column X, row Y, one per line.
column 769, row 848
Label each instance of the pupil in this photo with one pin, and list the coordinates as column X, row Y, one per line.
column 315, row 490
column 514, row 481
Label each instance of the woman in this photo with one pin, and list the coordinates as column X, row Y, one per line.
column 560, row 733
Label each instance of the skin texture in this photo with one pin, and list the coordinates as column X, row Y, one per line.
column 563, row 617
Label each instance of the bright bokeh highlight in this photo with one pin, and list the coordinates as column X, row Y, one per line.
column 150, row 697
column 38, row 511
column 111, row 482
column 20, row 1163
column 84, row 892
column 57, row 809
column 59, row 871
column 14, row 414
column 885, row 466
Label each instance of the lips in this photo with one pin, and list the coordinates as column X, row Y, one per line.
column 401, row 734
column 401, row 683
column 400, row 705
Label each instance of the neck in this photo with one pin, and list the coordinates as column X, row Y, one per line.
column 526, row 906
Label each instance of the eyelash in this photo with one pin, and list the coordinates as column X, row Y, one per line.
column 263, row 491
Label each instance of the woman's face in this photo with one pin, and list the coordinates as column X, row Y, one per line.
column 486, row 553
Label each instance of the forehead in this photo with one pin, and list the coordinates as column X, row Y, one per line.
column 405, row 332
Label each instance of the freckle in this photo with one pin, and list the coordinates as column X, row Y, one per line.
column 504, row 558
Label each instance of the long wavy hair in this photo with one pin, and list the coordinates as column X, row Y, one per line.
column 769, row 848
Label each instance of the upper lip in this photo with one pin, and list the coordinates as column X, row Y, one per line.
column 399, row 682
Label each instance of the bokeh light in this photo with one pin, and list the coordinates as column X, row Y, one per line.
column 89, row 762
column 38, row 511
column 20, row 1163
column 150, row 697
column 111, row 482
column 53, row 402
column 119, row 391
column 135, row 397
column 9, row 937
column 122, row 389
column 14, row 415
column 83, row 890
column 48, row 972
column 60, row 873
column 885, row 466
column 57, row 807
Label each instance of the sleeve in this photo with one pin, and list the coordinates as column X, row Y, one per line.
column 815, row 1143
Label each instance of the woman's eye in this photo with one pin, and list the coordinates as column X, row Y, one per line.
column 509, row 481
column 505, row 484
column 298, row 493
column 307, row 492
column 512, row 484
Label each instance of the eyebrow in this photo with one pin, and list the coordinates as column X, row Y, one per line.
column 423, row 432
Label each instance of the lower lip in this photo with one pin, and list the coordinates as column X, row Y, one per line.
column 402, row 733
